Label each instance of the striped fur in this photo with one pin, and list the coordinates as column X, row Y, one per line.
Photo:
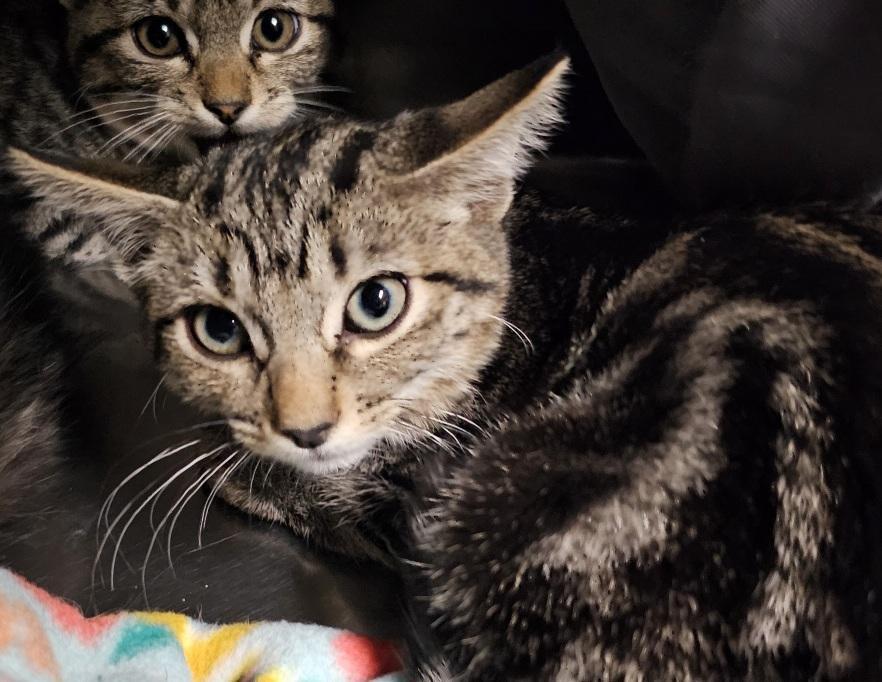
column 73, row 80
column 602, row 447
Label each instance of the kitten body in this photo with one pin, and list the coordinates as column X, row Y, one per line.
column 604, row 447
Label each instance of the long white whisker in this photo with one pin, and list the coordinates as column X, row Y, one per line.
column 192, row 492
column 132, row 131
column 520, row 333
column 130, row 113
column 141, row 508
column 165, row 519
column 214, row 493
column 104, row 512
column 468, row 421
column 152, row 398
column 149, row 140
column 161, row 140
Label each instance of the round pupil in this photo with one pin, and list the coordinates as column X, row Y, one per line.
column 159, row 33
column 375, row 299
column 220, row 326
column 271, row 26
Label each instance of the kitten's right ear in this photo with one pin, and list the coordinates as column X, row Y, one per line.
column 66, row 3
column 118, row 198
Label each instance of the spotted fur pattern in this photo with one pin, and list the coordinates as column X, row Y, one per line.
column 626, row 449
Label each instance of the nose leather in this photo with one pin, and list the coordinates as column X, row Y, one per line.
column 309, row 438
column 226, row 112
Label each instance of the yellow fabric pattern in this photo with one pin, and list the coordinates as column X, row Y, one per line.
column 203, row 652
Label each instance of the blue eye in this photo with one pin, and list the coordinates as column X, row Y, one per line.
column 218, row 331
column 375, row 305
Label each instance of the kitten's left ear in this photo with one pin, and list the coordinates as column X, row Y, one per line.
column 120, row 199
column 471, row 153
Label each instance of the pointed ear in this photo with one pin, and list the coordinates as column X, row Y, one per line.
column 66, row 3
column 119, row 199
column 473, row 151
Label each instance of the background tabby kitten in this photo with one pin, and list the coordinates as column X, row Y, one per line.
column 638, row 449
column 133, row 78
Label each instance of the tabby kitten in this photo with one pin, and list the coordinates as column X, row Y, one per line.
column 626, row 449
column 132, row 78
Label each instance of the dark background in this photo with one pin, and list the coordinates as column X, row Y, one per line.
column 398, row 54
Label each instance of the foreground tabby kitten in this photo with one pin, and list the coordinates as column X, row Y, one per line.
column 133, row 78
column 629, row 450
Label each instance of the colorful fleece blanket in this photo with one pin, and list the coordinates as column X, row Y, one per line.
column 43, row 638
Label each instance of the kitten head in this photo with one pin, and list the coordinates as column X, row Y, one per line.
column 170, row 72
column 335, row 287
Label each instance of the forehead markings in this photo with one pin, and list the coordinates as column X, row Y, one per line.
column 234, row 235
column 338, row 256
column 463, row 285
column 213, row 192
column 303, row 264
column 345, row 173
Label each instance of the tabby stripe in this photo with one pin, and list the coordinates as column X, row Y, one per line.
column 222, row 280
column 303, row 266
column 91, row 44
column 235, row 234
column 76, row 244
column 214, row 191
column 338, row 256
column 292, row 162
column 56, row 227
column 345, row 172
column 265, row 329
column 461, row 284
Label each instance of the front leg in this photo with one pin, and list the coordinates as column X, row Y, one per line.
column 667, row 519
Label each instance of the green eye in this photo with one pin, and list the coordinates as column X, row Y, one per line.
column 218, row 331
column 275, row 30
column 159, row 37
column 376, row 305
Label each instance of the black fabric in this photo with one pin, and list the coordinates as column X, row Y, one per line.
column 746, row 100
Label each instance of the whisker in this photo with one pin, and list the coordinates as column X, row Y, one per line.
column 315, row 104
column 165, row 519
column 468, row 421
column 149, row 142
column 157, row 147
column 152, row 399
column 182, row 500
column 130, row 113
column 269, row 470
column 318, row 89
column 195, row 487
column 141, row 508
column 520, row 333
column 214, row 491
column 104, row 512
column 130, row 132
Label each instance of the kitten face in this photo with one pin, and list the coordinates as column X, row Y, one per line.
column 334, row 287
column 321, row 327
column 170, row 72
